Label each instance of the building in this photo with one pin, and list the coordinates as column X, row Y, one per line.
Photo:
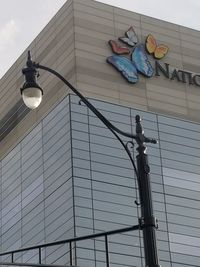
column 63, row 174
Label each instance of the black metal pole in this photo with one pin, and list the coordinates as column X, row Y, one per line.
column 148, row 222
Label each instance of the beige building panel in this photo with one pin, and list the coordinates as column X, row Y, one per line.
column 108, row 85
column 174, row 63
column 190, row 38
column 64, row 9
column 167, row 91
column 189, row 31
column 93, row 50
column 191, row 67
column 134, row 89
column 56, row 34
column 93, row 18
column 193, row 93
column 101, row 97
column 173, row 56
column 194, row 105
column 64, row 37
column 81, row 7
column 189, row 52
column 66, row 49
column 46, row 35
column 166, row 99
column 163, row 24
column 191, row 46
column 48, row 39
column 62, row 13
column 194, row 115
column 51, row 58
column 127, row 14
column 65, row 57
column 104, row 95
column 110, row 77
column 92, row 33
column 90, row 56
column 87, row 88
column 166, row 108
column 192, row 60
column 62, row 21
column 133, row 105
column 92, row 66
column 96, row 4
column 43, row 50
column 129, row 21
column 91, row 41
column 46, row 79
column 133, row 99
column 157, row 29
column 94, row 26
column 163, row 82
column 66, row 30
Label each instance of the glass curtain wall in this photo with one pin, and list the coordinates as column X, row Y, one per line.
column 71, row 177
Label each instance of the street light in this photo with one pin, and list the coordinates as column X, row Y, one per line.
column 32, row 96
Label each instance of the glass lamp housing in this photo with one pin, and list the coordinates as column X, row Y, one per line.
column 32, row 97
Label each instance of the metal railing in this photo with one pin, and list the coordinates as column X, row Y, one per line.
column 70, row 242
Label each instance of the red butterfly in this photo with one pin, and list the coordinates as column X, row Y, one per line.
column 118, row 48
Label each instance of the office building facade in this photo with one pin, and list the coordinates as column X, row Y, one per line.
column 63, row 173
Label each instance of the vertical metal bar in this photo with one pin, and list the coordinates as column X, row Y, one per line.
column 40, row 256
column 12, row 257
column 106, row 250
column 70, row 253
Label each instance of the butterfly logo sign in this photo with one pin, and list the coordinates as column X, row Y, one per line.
column 131, row 37
column 136, row 63
column 159, row 51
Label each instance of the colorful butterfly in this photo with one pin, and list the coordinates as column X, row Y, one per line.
column 130, row 68
column 131, row 38
column 159, row 51
column 118, row 48
column 125, row 66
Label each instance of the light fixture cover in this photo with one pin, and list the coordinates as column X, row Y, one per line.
column 32, row 97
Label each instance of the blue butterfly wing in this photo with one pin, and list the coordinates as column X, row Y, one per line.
column 125, row 66
column 141, row 61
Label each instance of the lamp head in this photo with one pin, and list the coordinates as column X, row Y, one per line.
column 31, row 92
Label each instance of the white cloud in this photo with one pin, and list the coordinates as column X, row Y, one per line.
column 8, row 34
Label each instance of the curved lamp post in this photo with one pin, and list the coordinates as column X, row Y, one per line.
column 32, row 96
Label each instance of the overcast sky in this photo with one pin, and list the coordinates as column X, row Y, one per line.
column 22, row 20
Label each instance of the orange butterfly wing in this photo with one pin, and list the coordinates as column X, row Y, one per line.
column 151, row 44
column 161, row 51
